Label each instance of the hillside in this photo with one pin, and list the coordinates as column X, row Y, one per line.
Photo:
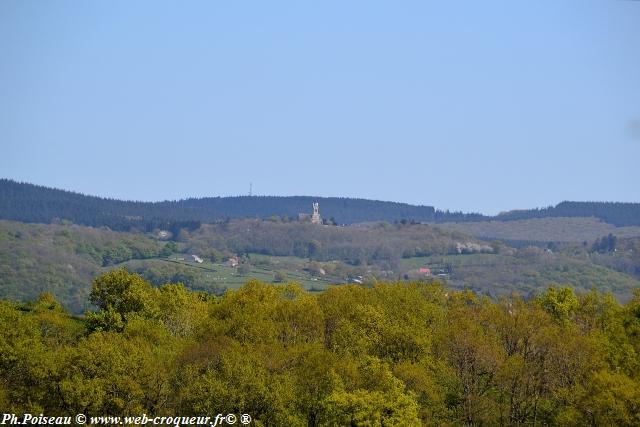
column 542, row 230
column 63, row 259
column 357, row 245
column 618, row 214
column 527, row 271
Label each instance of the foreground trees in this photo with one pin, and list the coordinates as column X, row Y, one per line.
column 395, row 354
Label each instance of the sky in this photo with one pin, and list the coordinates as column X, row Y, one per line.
column 475, row 106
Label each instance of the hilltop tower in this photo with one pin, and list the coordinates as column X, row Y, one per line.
column 315, row 217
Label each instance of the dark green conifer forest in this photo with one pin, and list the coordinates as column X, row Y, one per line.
column 33, row 203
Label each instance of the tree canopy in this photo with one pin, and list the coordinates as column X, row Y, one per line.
column 409, row 353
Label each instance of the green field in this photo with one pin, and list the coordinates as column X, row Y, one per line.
column 220, row 275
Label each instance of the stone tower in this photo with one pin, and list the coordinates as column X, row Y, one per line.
column 315, row 217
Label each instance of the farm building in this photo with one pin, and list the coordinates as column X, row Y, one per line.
column 193, row 258
column 164, row 234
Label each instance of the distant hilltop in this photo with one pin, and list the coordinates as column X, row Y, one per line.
column 33, row 203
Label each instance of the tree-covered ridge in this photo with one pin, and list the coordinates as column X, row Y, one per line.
column 401, row 354
column 33, row 203
column 616, row 213
column 540, row 231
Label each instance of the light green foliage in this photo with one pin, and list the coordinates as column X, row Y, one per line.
column 560, row 303
column 397, row 354
column 378, row 399
column 123, row 291
column 608, row 399
column 119, row 294
column 180, row 310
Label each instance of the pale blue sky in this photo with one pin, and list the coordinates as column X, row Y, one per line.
column 480, row 106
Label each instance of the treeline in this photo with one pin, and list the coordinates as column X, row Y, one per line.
column 33, row 203
column 402, row 354
column 619, row 214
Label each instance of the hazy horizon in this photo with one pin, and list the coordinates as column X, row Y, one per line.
column 474, row 107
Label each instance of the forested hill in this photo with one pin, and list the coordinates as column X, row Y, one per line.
column 619, row 214
column 32, row 203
